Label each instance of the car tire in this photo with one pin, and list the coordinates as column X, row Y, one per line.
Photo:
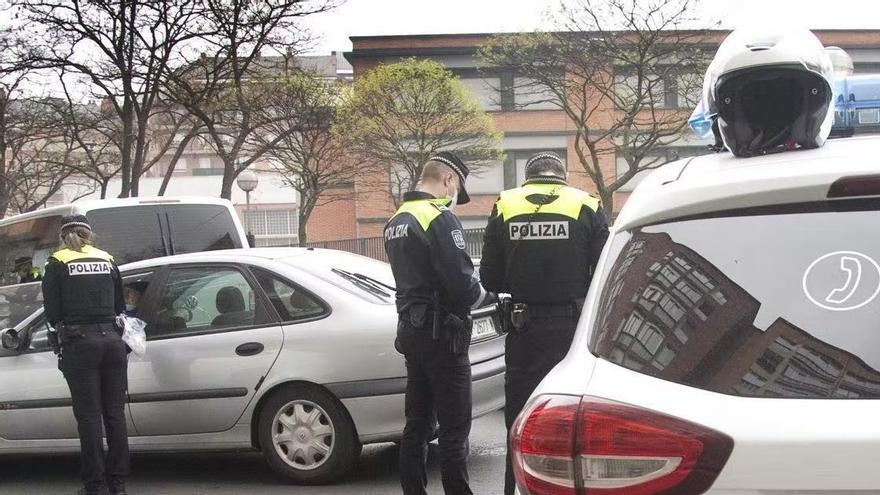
column 307, row 437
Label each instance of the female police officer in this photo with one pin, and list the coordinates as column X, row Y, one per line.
column 82, row 294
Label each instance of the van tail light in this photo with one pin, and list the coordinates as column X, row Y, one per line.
column 569, row 445
column 858, row 185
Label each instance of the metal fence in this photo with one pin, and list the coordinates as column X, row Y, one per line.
column 374, row 247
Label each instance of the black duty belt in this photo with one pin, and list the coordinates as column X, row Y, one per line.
column 92, row 327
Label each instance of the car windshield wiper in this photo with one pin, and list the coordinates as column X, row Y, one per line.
column 367, row 283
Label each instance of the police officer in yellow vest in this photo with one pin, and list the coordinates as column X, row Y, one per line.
column 541, row 245
column 82, row 294
column 436, row 289
column 27, row 273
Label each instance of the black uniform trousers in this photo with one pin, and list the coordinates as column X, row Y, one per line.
column 529, row 356
column 436, row 379
column 95, row 364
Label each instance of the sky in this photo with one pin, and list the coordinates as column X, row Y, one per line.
column 397, row 17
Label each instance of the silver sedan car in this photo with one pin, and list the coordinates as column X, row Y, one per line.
column 287, row 350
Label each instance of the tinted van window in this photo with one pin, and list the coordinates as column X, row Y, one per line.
column 133, row 233
column 130, row 233
column 196, row 228
column 782, row 306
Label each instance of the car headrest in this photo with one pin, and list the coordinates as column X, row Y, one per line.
column 230, row 300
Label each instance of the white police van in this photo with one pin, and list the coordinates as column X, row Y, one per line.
column 131, row 229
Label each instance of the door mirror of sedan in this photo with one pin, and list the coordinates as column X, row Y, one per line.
column 10, row 339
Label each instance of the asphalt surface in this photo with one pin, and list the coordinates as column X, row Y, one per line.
column 247, row 473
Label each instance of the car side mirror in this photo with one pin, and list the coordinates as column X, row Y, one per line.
column 10, row 339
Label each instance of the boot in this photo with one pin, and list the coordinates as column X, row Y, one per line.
column 117, row 487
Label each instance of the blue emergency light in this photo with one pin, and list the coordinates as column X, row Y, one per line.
column 856, row 105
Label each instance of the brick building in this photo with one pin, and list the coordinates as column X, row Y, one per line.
column 535, row 127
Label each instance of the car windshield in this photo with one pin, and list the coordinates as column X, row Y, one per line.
column 773, row 305
column 17, row 302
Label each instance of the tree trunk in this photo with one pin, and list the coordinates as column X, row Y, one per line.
column 302, row 221
column 167, row 178
column 104, row 183
column 140, row 156
column 228, row 180
column 127, row 127
column 172, row 164
column 607, row 197
column 302, row 236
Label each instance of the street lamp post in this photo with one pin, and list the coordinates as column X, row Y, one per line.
column 247, row 181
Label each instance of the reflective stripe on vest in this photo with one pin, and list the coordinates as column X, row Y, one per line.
column 569, row 202
column 68, row 255
column 424, row 210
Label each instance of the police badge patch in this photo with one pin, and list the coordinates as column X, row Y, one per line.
column 458, row 237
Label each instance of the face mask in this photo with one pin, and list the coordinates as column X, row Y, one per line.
column 130, row 307
column 453, row 198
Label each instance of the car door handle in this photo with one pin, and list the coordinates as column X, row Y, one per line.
column 249, row 349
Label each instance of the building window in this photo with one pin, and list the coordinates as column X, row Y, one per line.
column 502, row 90
column 528, row 95
column 517, row 165
column 272, row 227
column 485, row 89
column 672, row 89
column 627, row 91
column 498, row 176
column 866, row 68
column 487, row 180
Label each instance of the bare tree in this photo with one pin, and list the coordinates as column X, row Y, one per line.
column 33, row 146
column 122, row 48
column 218, row 86
column 96, row 137
column 397, row 116
column 611, row 65
column 9, row 85
column 309, row 158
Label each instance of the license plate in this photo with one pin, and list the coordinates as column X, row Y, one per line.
column 869, row 116
column 483, row 328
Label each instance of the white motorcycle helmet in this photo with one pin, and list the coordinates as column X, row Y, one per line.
column 770, row 91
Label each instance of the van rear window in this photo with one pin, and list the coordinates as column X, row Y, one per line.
column 133, row 233
column 760, row 305
column 129, row 233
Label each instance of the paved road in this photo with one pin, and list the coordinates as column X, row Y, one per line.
column 246, row 473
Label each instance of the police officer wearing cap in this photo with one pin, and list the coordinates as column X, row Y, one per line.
column 540, row 246
column 82, row 295
column 436, row 290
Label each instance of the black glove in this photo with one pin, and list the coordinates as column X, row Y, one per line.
column 54, row 342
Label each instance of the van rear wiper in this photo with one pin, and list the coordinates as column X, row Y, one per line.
column 368, row 283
